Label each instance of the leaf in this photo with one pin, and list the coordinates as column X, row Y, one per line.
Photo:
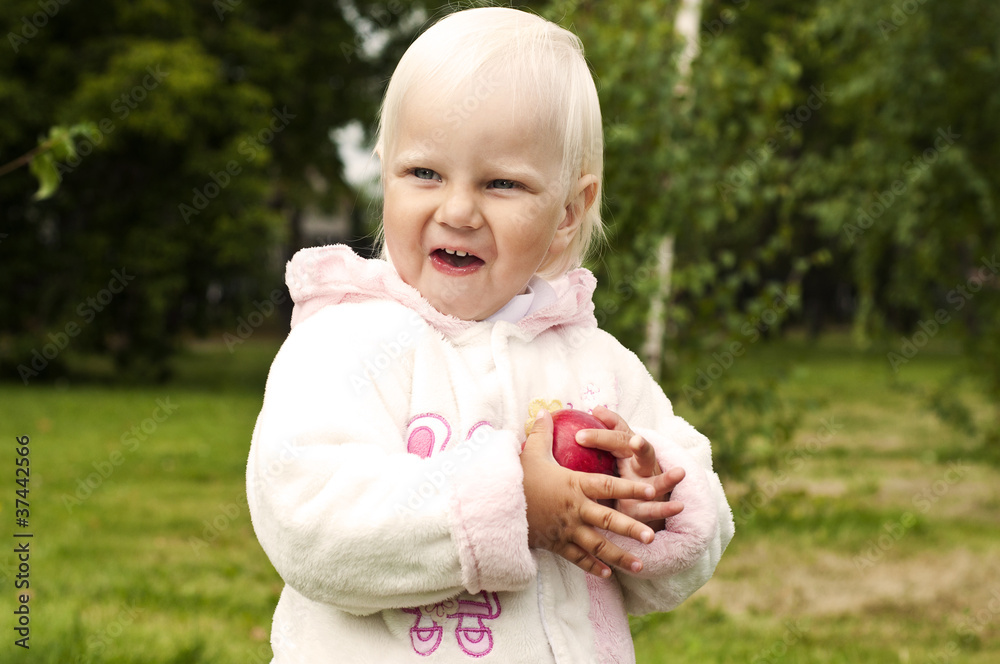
column 86, row 129
column 43, row 167
column 61, row 143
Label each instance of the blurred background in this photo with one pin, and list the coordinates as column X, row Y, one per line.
column 801, row 202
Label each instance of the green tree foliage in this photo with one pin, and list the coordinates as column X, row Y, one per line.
column 42, row 161
column 208, row 116
column 828, row 161
column 674, row 154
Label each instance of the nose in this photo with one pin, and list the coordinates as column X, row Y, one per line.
column 460, row 208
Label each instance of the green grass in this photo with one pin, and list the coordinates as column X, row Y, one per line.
column 155, row 561
column 143, row 549
column 871, row 540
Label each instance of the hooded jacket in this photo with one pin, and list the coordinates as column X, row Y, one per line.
column 385, row 485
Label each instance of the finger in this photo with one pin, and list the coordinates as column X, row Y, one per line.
column 596, row 486
column 584, row 560
column 611, row 419
column 648, row 511
column 644, row 454
column 616, row 442
column 616, row 522
column 541, row 432
column 669, row 480
column 599, row 547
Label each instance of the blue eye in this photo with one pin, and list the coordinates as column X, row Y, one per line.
column 424, row 173
column 503, row 184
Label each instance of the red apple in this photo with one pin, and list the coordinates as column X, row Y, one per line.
column 570, row 454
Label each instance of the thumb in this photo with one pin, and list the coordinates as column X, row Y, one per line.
column 541, row 432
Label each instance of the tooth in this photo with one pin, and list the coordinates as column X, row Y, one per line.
column 461, row 254
column 449, row 251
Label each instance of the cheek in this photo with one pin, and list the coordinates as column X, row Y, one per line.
column 539, row 235
column 397, row 240
column 395, row 221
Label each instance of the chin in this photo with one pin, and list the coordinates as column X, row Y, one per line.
column 458, row 311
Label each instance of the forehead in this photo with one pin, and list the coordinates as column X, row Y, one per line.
column 484, row 116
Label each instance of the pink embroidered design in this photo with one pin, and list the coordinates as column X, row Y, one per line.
column 475, row 427
column 476, row 639
column 424, row 639
column 425, row 433
column 429, row 434
column 442, row 609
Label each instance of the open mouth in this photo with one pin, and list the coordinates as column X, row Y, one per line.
column 457, row 259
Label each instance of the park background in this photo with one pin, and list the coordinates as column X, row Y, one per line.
column 802, row 245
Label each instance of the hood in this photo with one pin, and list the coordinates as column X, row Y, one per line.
column 322, row 276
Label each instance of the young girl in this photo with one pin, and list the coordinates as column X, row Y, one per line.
column 400, row 477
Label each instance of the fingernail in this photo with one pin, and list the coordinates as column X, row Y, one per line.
column 605, row 572
column 647, row 537
column 636, row 566
column 650, row 492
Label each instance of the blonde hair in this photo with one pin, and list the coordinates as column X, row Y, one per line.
column 543, row 63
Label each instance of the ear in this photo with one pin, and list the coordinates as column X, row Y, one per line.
column 581, row 197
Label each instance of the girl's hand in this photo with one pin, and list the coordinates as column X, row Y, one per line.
column 636, row 461
column 563, row 515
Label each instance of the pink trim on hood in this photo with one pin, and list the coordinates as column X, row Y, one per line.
column 321, row 276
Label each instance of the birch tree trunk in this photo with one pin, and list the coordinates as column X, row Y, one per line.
column 686, row 25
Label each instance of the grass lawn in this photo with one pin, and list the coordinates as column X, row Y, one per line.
column 877, row 540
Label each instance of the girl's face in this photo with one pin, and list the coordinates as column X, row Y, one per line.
column 474, row 201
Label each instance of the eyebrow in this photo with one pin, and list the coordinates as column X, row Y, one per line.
column 409, row 157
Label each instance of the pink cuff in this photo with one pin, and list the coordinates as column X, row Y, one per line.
column 490, row 522
column 686, row 536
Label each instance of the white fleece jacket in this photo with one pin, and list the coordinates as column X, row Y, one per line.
column 385, row 486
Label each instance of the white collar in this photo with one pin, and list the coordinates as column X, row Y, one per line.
column 537, row 294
